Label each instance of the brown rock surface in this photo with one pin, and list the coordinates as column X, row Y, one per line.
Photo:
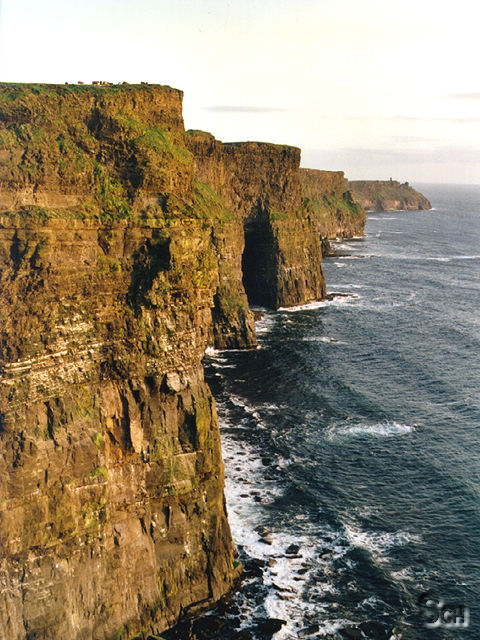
column 123, row 255
column 111, row 491
column 112, row 516
column 337, row 214
column 260, row 184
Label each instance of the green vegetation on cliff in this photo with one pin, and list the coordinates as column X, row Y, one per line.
column 126, row 249
column 387, row 195
column 91, row 151
column 328, row 196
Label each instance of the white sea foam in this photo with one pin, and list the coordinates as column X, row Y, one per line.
column 372, row 601
column 385, row 429
column 289, row 577
column 378, row 544
column 286, row 576
column 319, row 304
column 438, row 259
column 349, row 285
column 264, row 325
column 324, row 339
column 402, row 575
column 451, row 258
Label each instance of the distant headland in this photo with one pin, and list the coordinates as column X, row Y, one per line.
column 387, row 195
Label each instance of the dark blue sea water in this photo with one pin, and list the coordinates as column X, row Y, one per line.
column 354, row 433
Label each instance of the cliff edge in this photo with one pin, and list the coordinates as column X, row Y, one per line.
column 260, row 184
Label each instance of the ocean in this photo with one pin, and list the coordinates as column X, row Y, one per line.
column 351, row 439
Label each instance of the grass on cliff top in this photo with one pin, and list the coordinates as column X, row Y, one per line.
column 382, row 189
column 254, row 143
column 11, row 91
column 200, row 133
column 77, row 156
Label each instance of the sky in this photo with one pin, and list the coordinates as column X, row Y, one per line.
column 375, row 88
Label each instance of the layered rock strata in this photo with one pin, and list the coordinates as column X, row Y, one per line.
column 123, row 255
column 338, row 215
column 260, row 184
column 388, row 195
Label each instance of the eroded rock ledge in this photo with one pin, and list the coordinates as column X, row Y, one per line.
column 127, row 247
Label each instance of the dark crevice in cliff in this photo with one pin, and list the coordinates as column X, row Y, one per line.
column 149, row 261
column 258, row 264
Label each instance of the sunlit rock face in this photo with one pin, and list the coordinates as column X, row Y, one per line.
column 126, row 249
column 112, row 516
column 337, row 212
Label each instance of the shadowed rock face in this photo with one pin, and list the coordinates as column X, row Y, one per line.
column 388, row 195
column 123, row 255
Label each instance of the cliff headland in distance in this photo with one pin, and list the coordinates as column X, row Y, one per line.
column 387, row 195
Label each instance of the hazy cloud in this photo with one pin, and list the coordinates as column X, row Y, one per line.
column 409, row 139
column 465, row 96
column 361, row 157
column 414, row 119
column 429, row 119
column 226, row 108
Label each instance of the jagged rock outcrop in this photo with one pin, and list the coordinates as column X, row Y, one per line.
column 388, row 195
column 123, row 255
column 260, row 184
column 337, row 214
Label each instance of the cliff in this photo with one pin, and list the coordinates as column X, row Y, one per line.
column 387, row 195
column 126, row 248
column 112, row 511
column 260, row 185
column 338, row 215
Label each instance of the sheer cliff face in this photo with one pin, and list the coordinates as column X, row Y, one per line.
column 388, row 195
column 333, row 204
column 112, row 515
column 111, row 490
column 260, row 184
column 123, row 255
